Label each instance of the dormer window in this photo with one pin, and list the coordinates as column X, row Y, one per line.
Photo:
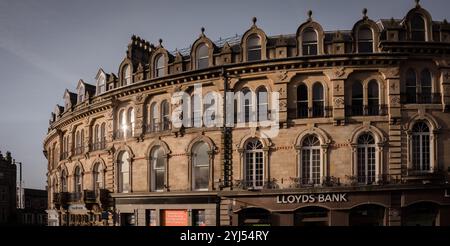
column 126, row 75
column 159, row 66
column 417, row 28
column 365, row 40
column 101, row 84
column 202, row 56
column 309, row 42
column 254, row 48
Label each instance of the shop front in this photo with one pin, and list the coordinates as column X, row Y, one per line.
column 377, row 206
column 166, row 210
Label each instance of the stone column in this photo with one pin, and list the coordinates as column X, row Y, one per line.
column 392, row 77
column 337, row 77
column 280, row 82
column 139, row 115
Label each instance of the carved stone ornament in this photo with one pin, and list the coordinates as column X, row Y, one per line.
column 282, row 75
column 282, row 105
column 391, row 72
column 339, row 72
column 395, row 100
column 139, row 98
column 338, row 102
column 282, row 92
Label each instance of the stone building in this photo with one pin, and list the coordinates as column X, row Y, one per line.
column 329, row 128
column 8, row 172
column 33, row 211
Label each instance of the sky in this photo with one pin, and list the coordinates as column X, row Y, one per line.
column 46, row 46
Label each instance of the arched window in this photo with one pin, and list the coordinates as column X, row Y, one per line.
column 165, row 115
column 365, row 40
column 309, row 42
column 310, row 160
column 153, row 118
column 101, row 84
column 130, row 119
column 79, row 136
column 254, row 164
column 366, row 160
column 196, row 110
column 357, row 99
column 421, row 154
column 78, row 180
column 411, row 86
column 160, row 65
column 210, row 107
column 103, row 136
column 253, row 48
column 302, row 101
column 122, row 124
column 248, row 105
column 318, row 100
column 417, row 28
column 202, row 56
column 200, row 166
column 373, row 98
column 158, row 169
column 64, row 181
column 127, row 75
column 98, row 177
column 262, row 99
column 425, row 82
column 124, row 172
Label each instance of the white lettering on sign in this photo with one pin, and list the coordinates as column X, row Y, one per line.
column 312, row 198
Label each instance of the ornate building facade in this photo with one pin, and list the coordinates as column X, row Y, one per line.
column 362, row 119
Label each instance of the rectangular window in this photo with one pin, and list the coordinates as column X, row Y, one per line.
column 174, row 217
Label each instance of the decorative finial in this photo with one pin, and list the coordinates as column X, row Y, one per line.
column 417, row 3
column 254, row 20
column 203, row 30
column 364, row 13
column 160, row 42
column 309, row 14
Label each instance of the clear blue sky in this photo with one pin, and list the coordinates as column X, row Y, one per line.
column 46, row 46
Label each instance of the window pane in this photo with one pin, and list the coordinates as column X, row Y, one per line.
column 201, row 177
column 159, row 180
column 202, row 56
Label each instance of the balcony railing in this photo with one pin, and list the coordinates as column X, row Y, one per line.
column 382, row 179
column 120, row 134
column 99, row 144
column 256, row 184
column 158, row 127
column 422, row 98
column 366, row 110
column 317, row 111
column 75, row 197
column 297, row 182
column 78, row 150
column 60, row 198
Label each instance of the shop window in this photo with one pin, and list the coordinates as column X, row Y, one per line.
column 367, row 215
column 254, row 217
column 311, row 216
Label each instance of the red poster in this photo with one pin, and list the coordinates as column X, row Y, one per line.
column 174, row 218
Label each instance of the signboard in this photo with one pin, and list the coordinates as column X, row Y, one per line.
column 76, row 207
column 312, row 198
column 174, row 217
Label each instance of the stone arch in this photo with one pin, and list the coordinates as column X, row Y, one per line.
column 211, row 47
column 262, row 35
column 421, row 116
column 321, row 134
column 366, row 22
column 100, row 161
column 377, row 133
column 120, row 149
column 155, row 143
column 126, row 61
column 159, row 51
column 201, row 138
column 320, row 36
column 427, row 19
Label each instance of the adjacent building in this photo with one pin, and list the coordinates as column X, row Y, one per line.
column 8, row 172
column 35, row 204
column 346, row 127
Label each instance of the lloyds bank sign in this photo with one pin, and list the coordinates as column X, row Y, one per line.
column 312, row 198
